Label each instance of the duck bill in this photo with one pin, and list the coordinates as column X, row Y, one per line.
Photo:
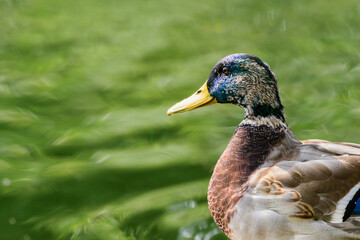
column 200, row 98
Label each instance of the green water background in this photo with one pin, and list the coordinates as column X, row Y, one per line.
column 86, row 148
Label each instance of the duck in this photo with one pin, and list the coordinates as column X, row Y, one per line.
column 268, row 184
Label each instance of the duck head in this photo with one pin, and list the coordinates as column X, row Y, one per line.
column 240, row 79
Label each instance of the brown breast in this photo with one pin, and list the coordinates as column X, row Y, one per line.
column 247, row 150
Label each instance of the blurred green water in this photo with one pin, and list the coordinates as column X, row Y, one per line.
column 86, row 148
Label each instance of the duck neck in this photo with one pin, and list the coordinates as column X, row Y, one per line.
column 247, row 150
column 264, row 114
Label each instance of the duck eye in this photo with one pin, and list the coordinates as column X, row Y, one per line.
column 225, row 70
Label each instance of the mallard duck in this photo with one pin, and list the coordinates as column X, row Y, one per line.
column 267, row 184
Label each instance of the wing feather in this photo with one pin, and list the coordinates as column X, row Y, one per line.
column 311, row 188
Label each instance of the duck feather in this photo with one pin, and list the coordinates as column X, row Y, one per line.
column 304, row 188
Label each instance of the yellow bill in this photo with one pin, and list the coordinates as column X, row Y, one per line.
column 200, row 98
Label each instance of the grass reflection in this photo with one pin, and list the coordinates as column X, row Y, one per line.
column 86, row 148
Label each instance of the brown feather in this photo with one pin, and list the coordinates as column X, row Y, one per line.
column 247, row 150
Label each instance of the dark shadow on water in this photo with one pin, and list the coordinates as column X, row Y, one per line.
column 72, row 195
column 146, row 225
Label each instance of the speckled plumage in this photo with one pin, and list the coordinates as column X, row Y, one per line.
column 267, row 184
column 247, row 150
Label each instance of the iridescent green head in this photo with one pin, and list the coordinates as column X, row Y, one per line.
column 246, row 81
column 240, row 79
